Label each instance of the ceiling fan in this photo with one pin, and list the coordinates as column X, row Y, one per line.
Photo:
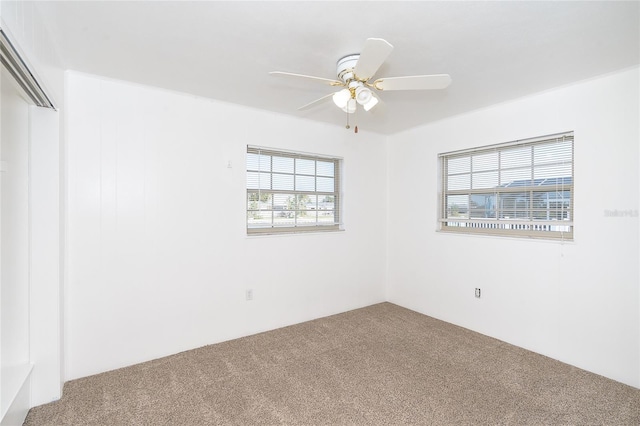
column 355, row 74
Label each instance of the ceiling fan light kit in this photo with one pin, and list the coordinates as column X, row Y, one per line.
column 371, row 103
column 354, row 72
column 350, row 108
column 363, row 95
column 341, row 98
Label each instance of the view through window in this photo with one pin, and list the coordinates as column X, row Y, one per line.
column 523, row 188
column 291, row 192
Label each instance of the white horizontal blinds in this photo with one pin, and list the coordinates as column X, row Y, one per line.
column 291, row 192
column 525, row 187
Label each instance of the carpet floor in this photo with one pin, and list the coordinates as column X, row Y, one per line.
column 379, row 365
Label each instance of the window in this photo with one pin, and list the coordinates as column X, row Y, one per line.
column 291, row 192
column 523, row 188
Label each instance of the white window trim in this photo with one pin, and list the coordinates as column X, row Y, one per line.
column 288, row 229
column 496, row 226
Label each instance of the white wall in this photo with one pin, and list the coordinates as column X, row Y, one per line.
column 22, row 22
column 158, row 255
column 576, row 301
column 45, row 292
column 14, row 246
column 158, row 259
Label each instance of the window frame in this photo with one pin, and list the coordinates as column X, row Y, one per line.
column 297, row 211
column 553, row 223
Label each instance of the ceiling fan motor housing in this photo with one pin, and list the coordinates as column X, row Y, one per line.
column 345, row 67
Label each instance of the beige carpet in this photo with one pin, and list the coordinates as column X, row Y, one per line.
column 380, row 365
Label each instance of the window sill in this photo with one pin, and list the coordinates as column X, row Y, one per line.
column 258, row 235
column 540, row 238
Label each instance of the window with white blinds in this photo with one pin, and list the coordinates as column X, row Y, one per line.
column 522, row 188
column 291, row 192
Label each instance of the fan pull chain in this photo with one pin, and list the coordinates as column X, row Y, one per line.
column 348, row 126
column 355, row 118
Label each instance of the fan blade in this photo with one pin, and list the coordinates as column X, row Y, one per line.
column 316, row 102
column 374, row 53
column 310, row 77
column 414, row 82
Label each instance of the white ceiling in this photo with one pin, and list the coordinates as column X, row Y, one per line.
column 494, row 51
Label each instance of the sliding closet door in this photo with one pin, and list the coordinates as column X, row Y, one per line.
column 14, row 247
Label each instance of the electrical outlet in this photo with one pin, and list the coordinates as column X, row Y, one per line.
column 249, row 294
column 478, row 293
